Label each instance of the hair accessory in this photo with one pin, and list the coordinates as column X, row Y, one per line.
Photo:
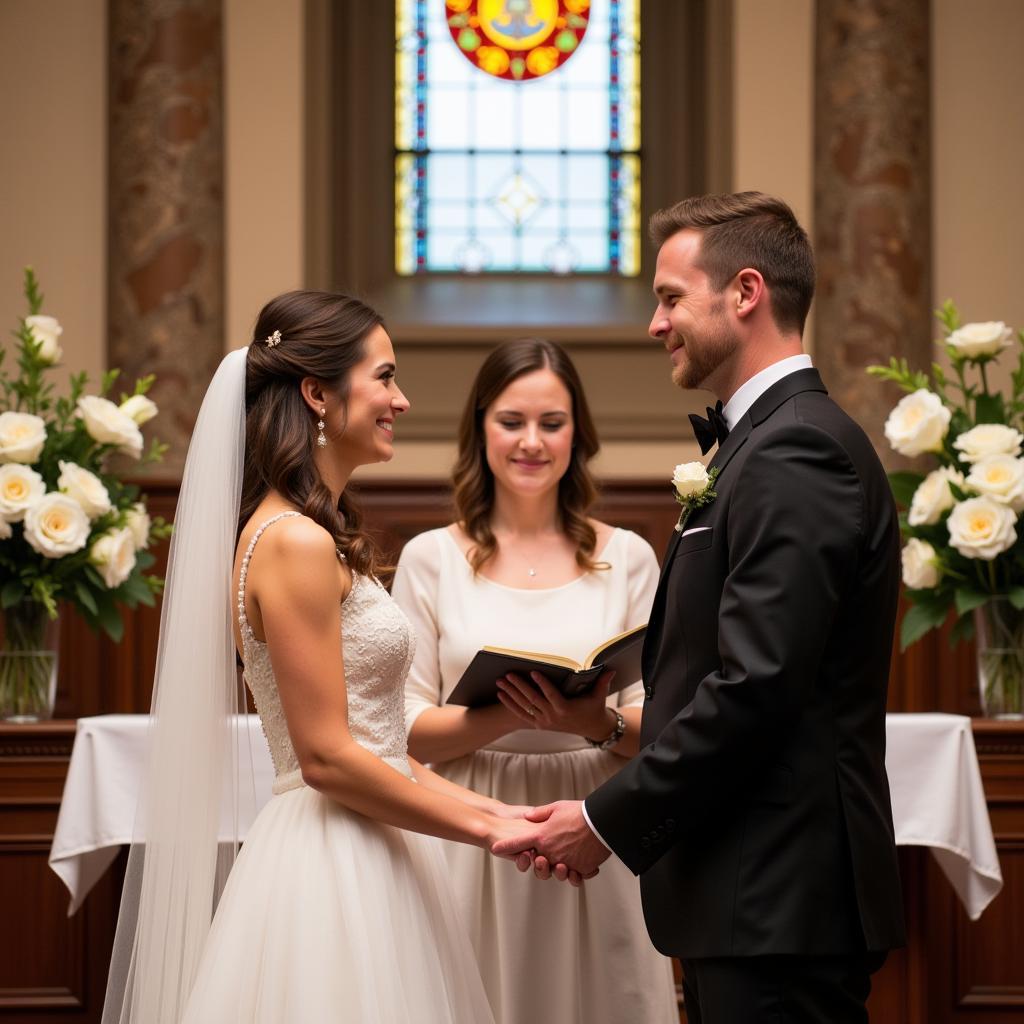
column 274, row 340
column 321, row 437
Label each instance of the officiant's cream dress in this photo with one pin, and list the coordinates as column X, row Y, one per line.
column 547, row 952
column 329, row 916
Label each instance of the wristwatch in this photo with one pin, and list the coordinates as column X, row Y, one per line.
column 617, row 733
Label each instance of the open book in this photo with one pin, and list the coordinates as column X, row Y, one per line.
column 478, row 685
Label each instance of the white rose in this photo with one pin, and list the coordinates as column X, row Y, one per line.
column 5, row 530
column 20, row 488
column 107, row 424
column 988, row 439
column 981, row 528
column 114, row 555
column 1000, row 477
column 138, row 522
column 918, row 424
column 47, row 331
column 85, row 487
column 985, row 339
column 139, row 408
column 689, row 478
column 919, row 568
column 56, row 525
column 933, row 496
column 22, row 436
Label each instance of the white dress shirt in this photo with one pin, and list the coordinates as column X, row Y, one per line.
column 734, row 410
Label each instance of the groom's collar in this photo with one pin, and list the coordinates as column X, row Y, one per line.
column 751, row 390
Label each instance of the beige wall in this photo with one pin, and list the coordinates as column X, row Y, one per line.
column 53, row 171
column 53, row 192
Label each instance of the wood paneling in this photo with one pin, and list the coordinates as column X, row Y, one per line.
column 54, row 969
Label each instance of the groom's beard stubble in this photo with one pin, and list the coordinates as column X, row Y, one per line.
column 705, row 353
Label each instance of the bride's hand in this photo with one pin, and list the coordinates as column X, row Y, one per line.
column 506, row 828
column 509, row 812
column 539, row 705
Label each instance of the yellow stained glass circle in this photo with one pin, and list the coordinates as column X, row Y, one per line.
column 518, row 24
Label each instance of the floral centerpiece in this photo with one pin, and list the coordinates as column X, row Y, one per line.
column 964, row 552
column 70, row 530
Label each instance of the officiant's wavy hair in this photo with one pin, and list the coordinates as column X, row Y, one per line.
column 748, row 229
column 322, row 335
column 472, row 477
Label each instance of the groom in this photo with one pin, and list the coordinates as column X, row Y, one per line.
column 757, row 811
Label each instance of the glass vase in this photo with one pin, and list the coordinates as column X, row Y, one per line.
column 28, row 663
column 999, row 629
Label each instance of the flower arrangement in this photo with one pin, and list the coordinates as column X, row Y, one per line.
column 693, row 487
column 963, row 550
column 69, row 529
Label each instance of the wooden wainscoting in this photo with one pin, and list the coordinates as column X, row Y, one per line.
column 53, row 969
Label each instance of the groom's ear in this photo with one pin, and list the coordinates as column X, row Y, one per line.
column 748, row 292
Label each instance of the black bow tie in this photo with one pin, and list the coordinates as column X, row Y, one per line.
column 709, row 431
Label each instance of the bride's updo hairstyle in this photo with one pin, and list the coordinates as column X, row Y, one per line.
column 472, row 476
column 323, row 336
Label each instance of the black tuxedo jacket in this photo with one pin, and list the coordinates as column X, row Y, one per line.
column 757, row 812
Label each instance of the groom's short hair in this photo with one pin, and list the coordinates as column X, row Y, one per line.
column 748, row 229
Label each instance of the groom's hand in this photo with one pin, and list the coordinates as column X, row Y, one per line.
column 562, row 839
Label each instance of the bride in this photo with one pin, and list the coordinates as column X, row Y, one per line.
column 338, row 906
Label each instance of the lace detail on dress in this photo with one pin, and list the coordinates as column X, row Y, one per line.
column 378, row 644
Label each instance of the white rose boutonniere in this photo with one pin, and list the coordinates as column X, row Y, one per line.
column 918, row 424
column 982, row 528
column 46, row 331
column 22, row 436
column 85, row 487
column 693, row 487
column 106, row 423
column 973, row 341
column 113, row 554
column 20, row 488
column 56, row 526
column 920, row 569
column 988, row 439
column 933, row 496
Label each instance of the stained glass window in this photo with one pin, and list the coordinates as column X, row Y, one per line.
column 517, row 136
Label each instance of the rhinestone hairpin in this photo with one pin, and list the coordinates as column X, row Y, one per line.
column 274, row 339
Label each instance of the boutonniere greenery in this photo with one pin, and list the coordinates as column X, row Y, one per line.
column 693, row 486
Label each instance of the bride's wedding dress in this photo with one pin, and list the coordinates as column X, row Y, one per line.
column 328, row 915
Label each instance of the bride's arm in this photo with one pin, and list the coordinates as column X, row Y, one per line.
column 299, row 606
column 439, row 784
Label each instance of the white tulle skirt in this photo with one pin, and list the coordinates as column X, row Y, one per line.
column 329, row 916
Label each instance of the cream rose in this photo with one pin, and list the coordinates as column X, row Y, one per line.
column 138, row 522
column 918, row 424
column 1000, row 477
column 5, row 530
column 919, row 568
column 689, row 478
column 107, row 424
column 22, row 437
column 56, row 525
column 20, row 488
column 988, row 439
column 85, row 487
column 114, row 555
column 985, row 339
column 933, row 496
column 46, row 331
column 139, row 408
column 981, row 528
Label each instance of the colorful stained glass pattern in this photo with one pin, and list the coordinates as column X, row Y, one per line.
column 497, row 175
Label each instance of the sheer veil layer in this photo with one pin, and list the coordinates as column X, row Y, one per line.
column 186, row 831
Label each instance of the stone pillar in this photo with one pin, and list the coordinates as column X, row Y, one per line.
column 872, row 186
column 166, row 202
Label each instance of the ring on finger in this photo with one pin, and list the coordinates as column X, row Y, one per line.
column 531, row 710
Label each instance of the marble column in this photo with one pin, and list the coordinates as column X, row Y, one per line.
column 872, row 184
column 166, row 203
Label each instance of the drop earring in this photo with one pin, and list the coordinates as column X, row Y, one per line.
column 321, row 437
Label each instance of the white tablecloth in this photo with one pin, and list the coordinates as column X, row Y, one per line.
column 937, row 799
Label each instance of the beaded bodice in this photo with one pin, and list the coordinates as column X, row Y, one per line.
column 378, row 644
